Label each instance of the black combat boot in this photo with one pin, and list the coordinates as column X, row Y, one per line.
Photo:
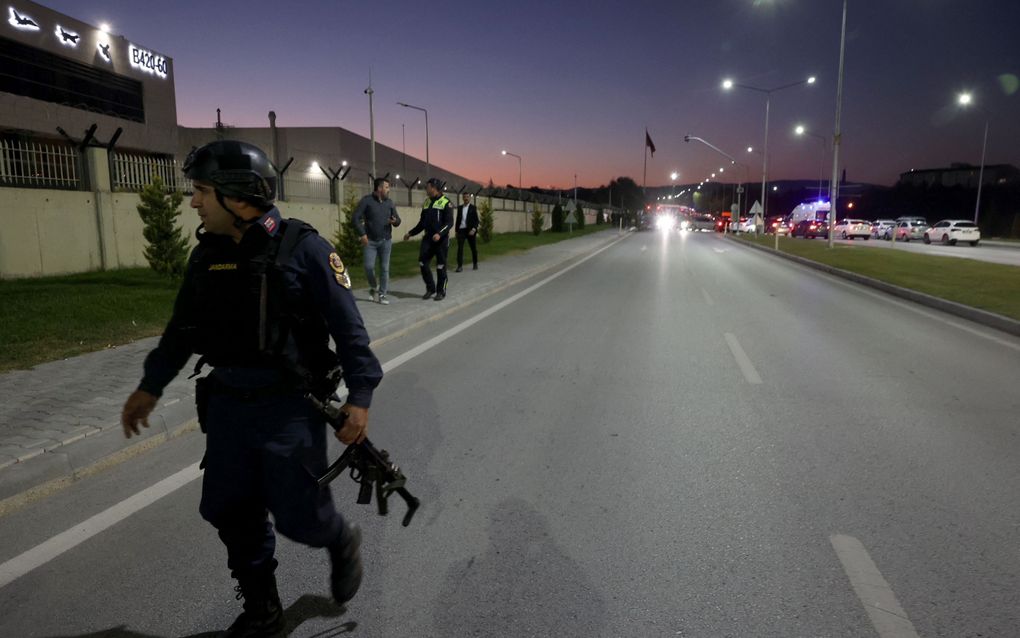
column 345, row 553
column 263, row 614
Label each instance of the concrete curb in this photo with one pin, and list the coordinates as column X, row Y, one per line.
column 983, row 317
column 65, row 459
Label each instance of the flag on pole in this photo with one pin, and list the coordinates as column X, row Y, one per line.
column 649, row 143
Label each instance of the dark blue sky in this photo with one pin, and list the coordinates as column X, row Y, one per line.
column 571, row 86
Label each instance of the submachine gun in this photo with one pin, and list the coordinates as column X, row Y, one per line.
column 370, row 467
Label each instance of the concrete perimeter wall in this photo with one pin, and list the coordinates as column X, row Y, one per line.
column 53, row 232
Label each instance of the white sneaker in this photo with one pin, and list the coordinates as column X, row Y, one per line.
column 375, row 295
column 383, row 300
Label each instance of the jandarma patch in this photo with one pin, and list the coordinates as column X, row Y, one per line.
column 222, row 266
column 336, row 264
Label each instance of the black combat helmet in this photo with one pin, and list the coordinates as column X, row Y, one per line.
column 236, row 169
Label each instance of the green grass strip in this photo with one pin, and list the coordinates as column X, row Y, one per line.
column 980, row 284
column 52, row 318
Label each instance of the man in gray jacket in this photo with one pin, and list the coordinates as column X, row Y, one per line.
column 373, row 221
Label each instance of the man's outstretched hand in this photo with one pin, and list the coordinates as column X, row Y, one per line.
column 136, row 410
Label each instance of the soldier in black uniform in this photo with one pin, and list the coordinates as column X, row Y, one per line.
column 436, row 220
column 260, row 299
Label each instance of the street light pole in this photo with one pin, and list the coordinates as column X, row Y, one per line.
column 834, row 184
column 801, row 130
column 764, row 164
column 728, row 84
column 371, row 119
column 428, row 164
column 981, row 173
column 688, row 138
column 966, row 99
column 520, row 172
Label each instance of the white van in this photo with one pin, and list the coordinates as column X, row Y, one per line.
column 811, row 211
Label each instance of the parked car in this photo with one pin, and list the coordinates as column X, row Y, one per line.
column 851, row 228
column 882, row 228
column 745, row 225
column 950, row 231
column 702, row 221
column 913, row 229
column 809, row 229
column 777, row 225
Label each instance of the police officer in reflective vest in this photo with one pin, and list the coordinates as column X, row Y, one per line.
column 260, row 299
column 436, row 220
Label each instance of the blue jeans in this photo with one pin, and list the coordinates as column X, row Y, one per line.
column 381, row 248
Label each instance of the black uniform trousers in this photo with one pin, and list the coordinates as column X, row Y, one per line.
column 426, row 252
column 463, row 235
column 263, row 455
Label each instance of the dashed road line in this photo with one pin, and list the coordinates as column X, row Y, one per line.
column 743, row 360
column 879, row 601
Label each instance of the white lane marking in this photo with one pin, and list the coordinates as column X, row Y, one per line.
column 742, row 360
column 919, row 310
column 708, row 299
column 719, row 250
column 50, row 549
column 906, row 305
column 879, row 601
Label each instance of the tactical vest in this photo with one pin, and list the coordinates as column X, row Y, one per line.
column 245, row 316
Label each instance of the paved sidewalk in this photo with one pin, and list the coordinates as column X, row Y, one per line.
column 61, row 420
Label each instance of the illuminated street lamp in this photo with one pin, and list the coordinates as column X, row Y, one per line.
column 965, row 100
column 520, row 162
column 520, row 172
column 802, row 130
column 729, row 84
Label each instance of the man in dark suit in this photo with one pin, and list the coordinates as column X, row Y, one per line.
column 467, row 229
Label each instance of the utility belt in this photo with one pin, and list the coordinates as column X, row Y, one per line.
column 211, row 384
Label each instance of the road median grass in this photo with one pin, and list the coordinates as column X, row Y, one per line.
column 51, row 318
column 979, row 284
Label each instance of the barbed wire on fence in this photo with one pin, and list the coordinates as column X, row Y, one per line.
column 42, row 164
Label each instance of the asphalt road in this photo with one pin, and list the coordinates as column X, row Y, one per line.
column 998, row 254
column 677, row 437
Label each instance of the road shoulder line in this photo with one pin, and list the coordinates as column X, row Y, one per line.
column 983, row 317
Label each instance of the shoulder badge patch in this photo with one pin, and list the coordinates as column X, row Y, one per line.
column 339, row 271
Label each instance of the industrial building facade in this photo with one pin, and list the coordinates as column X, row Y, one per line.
column 60, row 74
